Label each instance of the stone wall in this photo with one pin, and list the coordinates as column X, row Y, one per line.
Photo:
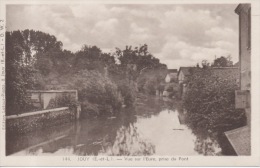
column 26, row 122
column 42, row 98
column 244, row 12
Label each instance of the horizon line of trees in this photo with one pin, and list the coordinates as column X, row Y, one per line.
column 222, row 61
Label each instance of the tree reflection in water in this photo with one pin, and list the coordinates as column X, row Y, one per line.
column 206, row 143
column 129, row 142
column 207, row 147
column 133, row 132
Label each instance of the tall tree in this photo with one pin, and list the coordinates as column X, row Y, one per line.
column 19, row 76
column 22, row 50
column 222, row 62
column 92, row 58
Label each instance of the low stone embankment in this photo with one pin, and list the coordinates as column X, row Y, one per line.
column 26, row 122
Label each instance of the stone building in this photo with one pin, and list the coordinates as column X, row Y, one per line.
column 244, row 12
column 171, row 75
column 43, row 99
column 240, row 138
column 184, row 73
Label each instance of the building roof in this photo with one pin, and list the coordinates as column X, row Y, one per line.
column 172, row 71
column 186, row 70
column 231, row 73
column 226, row 72
column 240, row 139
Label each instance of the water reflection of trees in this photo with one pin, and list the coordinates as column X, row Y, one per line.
column 207, row 147
column 110, row 136
column 114, row 137
column 148, row 106
column 211, row 143
column 129, row 142
column 92, row 135
column 17, row 142
column 206, row 142
column 152, row 106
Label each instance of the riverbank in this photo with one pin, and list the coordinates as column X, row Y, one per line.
column 37, row 120
column 153, row 126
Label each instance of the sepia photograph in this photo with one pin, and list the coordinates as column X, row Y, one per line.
column 124, row 79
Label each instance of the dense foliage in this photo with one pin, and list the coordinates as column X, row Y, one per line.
column 36, row 60
column 210, row 101
column 151, row 80
column 18, row 76
column 98, row 94
column 22, row 48
column 66, row 100
column 222, row 62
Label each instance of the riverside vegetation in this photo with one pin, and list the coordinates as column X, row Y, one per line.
column 210, row 102
column 108, row 82
column 105, row 82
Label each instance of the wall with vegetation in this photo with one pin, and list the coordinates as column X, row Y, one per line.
column 19, row 124
column 44, row 98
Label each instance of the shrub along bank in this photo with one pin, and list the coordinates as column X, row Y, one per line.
column 210, row 101
column 98, row 95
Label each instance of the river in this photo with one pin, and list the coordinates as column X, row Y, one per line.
column 154, row 126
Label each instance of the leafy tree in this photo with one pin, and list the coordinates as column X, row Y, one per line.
column 97, row 93
column 205, row 64
column 150, row 86
column 92, row 58
column 139, row 56
column 223, row 62
column 36, row 59
column 137, row 62
column 44, row 64
column 54, row 61
column 210, row 101
column 32, row 42
column 21, row 50
column 19, row 77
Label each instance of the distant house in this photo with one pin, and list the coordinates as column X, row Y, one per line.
column 184, row 73
column 240, row 138
column 171, row 75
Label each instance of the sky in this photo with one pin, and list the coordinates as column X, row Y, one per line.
column 179, row 35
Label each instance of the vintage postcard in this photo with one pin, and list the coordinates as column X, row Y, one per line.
column 130, row 83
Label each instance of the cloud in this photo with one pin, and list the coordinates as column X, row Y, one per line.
column 104, row 31
column 177, row 34
column 194, row 35
column 176, row 52
column 220, row 33
column 189, row 24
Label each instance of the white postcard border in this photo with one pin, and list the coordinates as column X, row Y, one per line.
column 253, row 160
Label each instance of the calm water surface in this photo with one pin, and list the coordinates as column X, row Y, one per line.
column 153, row 127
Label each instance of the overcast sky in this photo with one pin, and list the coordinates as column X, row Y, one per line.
column 179, row 35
